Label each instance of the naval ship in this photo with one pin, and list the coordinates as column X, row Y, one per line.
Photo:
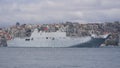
column 48, row 39
column 58, row 38
column 63, row 36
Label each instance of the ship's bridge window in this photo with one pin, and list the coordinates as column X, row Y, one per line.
column 46, row 37
column 27, row 39
column 53, row 38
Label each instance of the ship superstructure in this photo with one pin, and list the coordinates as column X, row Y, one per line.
column 48, row 39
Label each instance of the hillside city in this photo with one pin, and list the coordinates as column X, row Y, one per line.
column 72, row 29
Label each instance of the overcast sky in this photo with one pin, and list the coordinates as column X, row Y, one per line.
column 50, row 11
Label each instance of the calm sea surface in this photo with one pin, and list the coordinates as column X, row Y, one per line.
column 59, row 57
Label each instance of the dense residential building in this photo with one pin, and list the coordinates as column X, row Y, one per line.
column 71, row 28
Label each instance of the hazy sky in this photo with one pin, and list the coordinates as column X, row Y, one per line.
column 48, row 11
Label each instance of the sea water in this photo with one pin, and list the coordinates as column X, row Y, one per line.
column 59, row 57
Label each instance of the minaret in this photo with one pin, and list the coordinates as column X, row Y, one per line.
column 17, row 24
